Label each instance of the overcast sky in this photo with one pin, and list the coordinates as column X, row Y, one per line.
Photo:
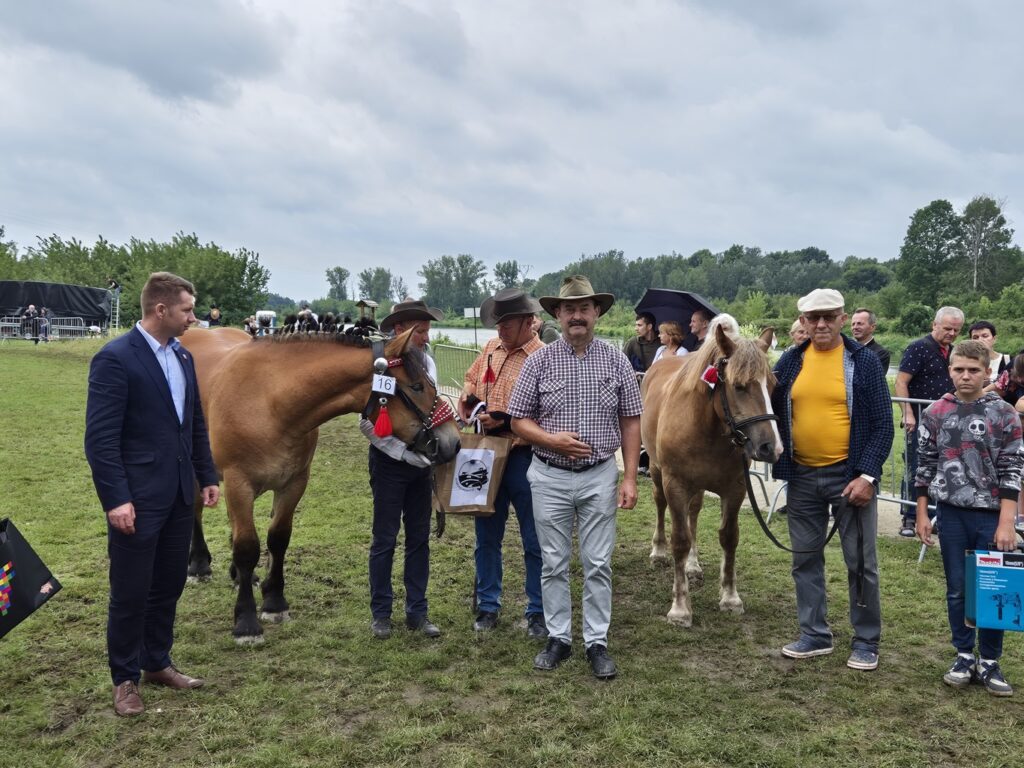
column 357, row 134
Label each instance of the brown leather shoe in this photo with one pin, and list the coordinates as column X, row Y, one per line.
column 172, row 678
column 127, row 701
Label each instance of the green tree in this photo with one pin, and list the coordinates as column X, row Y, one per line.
column 453, row 282
column 506, row 274
column 985, row 244
column 928, row 249
column 337, row 278
column 376, row 284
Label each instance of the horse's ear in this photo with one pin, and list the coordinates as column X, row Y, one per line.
column 725, row 344
column 764, row 341
column 396, row 347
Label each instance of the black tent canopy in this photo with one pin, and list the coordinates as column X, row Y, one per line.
column 62, row 300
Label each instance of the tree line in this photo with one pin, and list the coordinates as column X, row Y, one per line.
column 965, row 258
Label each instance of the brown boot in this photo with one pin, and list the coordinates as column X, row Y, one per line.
column 172, row 678
column 127, row 701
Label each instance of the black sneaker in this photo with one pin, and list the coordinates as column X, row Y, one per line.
column 907, row 529
column 536, row 628
column 554, row 654
column 601, row 663
column 988, row 674
column 423, row 625
column 960, row 674
column 485, row 620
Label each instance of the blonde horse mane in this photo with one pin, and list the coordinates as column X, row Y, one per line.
column 747, row 363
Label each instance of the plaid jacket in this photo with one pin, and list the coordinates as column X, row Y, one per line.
column 867, row 401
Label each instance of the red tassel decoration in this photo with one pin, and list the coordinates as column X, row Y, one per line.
column 382, row 427
column 489, row 376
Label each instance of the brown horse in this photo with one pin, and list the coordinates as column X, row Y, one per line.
column 693, row 449
column 264, row 401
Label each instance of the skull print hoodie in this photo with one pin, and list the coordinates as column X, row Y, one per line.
column 970, row 454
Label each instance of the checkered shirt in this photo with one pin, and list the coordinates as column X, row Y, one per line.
column 586, row 395
column 506, row 365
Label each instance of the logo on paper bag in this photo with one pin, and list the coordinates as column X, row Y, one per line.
column 472, row 475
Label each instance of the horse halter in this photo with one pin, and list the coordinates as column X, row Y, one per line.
column 739, row 437
column 425, row 441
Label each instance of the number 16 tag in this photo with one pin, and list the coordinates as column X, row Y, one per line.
column 384, row 384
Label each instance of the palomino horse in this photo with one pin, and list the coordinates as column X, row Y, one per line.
column 264, row 401
column 701, row 438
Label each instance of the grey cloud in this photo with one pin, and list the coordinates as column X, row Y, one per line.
column 189, row 48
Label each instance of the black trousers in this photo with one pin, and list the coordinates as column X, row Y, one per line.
column 401, row 494
column 147, row 575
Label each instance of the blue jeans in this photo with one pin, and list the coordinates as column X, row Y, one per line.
column 810, row 493
column 490, row 531
column 401, row 494
column 963, row 529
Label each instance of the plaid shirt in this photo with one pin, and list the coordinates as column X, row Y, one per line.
column 506, row 364
column 586, row 395
column 867, row 401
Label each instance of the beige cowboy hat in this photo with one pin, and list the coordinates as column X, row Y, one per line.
column 410, row 309
column 577, row 287
column 506, row 303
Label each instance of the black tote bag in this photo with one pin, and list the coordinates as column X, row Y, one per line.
column 25, row 581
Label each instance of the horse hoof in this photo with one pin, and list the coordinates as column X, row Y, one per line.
column 659, row 559
column 202, row 579
column 276, row 618
column 681, row 620
column 696, row 579
column 731, row 606
column 249, row 640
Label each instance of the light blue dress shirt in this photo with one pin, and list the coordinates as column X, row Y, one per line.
column 167, row 357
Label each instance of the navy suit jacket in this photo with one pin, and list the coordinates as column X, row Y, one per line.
column 136, row 448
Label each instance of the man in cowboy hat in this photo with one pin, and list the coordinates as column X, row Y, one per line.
column 400, row 481
column 489, row 381
column 577, row 402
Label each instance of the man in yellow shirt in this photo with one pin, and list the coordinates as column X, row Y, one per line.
column 836, row 427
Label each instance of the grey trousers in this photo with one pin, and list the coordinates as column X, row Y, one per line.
column 808, row 497
column 588, row 499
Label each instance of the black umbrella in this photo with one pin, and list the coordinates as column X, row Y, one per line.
column 666, row 304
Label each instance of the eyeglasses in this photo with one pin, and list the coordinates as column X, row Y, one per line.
column 828, row 317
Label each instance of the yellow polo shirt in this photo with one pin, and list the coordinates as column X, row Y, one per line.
column 821, row 423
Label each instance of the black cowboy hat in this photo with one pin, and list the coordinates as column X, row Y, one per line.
column 577, row 287
column 506, row 303
column 410, row 309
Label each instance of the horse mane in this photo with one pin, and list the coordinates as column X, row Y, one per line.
column 413, row 359
column 747, row 363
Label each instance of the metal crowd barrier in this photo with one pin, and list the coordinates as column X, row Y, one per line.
column 44, row 329
column 452, row 364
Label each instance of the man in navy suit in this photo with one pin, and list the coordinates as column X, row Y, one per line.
column 146, row 442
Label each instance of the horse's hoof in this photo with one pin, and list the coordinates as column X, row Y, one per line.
column 695, row 578
column 684, row 620
column 276, row 618
column 201, row 579
column 731, row 606
column 659, row 558
column 249, row 640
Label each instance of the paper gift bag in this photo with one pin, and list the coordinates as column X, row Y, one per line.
column 468, row 484
column 25, row 582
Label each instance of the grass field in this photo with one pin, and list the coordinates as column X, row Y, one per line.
column 322, row 692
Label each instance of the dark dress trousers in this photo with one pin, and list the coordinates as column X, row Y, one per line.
column 140, row 452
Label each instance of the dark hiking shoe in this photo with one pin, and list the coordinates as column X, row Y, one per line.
column 485, row 620
column 423, row 625
column 381, row 628
column 601, row 663
column 536, row 628
column 554, row 654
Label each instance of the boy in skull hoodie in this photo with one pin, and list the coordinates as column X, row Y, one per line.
column 969, row 460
